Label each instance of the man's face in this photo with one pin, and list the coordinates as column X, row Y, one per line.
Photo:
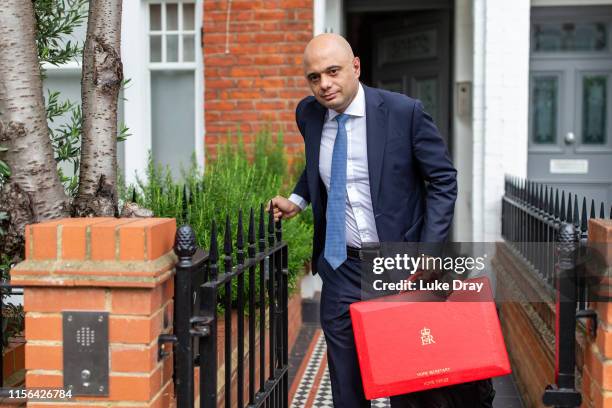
column 333, row 76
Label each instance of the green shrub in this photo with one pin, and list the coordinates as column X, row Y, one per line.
column 231, row 182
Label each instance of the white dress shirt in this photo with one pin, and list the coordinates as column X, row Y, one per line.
column 360, row 223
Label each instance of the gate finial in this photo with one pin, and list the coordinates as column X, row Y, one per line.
column 185, row 242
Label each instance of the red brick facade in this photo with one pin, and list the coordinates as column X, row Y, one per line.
column 259, row 82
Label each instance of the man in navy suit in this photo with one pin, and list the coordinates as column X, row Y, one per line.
column 377, row 170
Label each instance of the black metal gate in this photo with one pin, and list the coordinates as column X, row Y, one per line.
column 205, row 281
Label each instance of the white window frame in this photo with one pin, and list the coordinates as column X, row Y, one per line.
column 136, row 57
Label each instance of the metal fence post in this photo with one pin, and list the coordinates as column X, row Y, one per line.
column 563, row 393
column 185, row 248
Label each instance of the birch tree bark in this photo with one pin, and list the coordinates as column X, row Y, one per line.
column 100, row 86
column 23, row 123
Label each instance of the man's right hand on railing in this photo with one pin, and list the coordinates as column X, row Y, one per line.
column 282, row 208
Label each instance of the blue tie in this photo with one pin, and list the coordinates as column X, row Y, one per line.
column 335, row 234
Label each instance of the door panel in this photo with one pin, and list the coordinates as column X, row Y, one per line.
column 412, row 56
column 570, row 88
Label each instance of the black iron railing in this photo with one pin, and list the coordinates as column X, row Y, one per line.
column 548, row 230
column 204, row 282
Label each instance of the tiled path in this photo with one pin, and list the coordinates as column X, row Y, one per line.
column 311, row 386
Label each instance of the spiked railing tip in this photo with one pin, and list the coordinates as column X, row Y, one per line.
column 592, row 214
column 551, row 204
column 262, row 229
column 227, row 237
column 556, row 203
column 240, row 231
column 270, row 219
column 562, row 213
column 541, row 198
column 570, row 214
column 251, row 233
column 583, row 216
column 214, row 246
column 576, row 211
column 602, row 213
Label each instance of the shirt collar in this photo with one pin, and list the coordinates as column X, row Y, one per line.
column 356, row 108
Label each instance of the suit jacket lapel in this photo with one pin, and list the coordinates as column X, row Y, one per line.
column 313, row 147
column 376, row 126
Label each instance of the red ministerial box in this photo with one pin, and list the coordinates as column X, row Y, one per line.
column 407, row 344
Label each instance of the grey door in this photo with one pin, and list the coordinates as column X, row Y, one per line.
column 412, row 56
column 570, row 114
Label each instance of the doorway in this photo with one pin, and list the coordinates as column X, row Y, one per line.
column 570, row 87
column 407, row 51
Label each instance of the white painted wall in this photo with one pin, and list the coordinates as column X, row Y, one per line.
column 318, row 13
column 501, row 74
column 462, row 124
column 334, row 17
column 547, row 3
column 134, row 53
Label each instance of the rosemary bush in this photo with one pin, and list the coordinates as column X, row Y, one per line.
column 231, row 182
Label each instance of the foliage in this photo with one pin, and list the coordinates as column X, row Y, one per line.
column 12, row 314
column 231, row 183
column 55, row 20
column 5, row 170
column 66, row 138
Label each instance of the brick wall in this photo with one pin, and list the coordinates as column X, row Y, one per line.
column 120, row 266
column 527, row 313
column 597, row 370
column 259, row 81
column 13, row 362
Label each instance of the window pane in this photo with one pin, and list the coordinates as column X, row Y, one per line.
column 407, row 47
column 188, row 16
column 570, row 37
column 544, row 108
column 155, row 17
column 392, row 85
column 172, row 48
column 188, row 48
column 155, row 48
column 427, row 92
column 171, row 17
column 594, row 109
column 172, row 118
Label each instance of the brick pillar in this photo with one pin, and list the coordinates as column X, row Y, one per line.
column 120, row 266
column 597, row 370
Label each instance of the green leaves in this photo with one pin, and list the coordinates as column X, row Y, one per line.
column 5, row 170
column 237, row 178
column 122, row 133
column 66, row 138
column 55, row 21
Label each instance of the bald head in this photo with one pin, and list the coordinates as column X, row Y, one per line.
column 332, row 71
column 328, row 44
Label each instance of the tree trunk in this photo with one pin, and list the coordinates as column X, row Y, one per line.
column 100, row 86
column 23, row 118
